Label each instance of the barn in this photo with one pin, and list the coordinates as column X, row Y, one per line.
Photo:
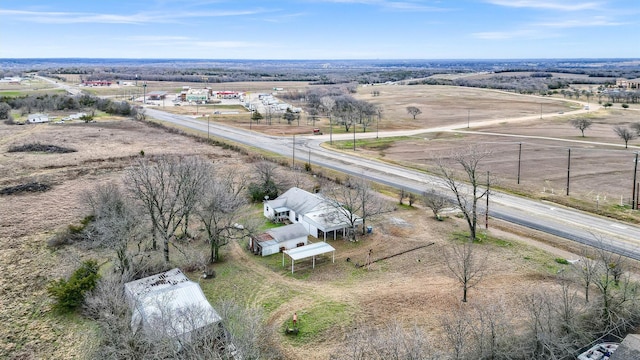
column 279, row 239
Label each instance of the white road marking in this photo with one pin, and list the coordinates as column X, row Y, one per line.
column 619, row 226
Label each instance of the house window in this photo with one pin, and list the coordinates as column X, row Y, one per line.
column 296, row 217
column 267, row 208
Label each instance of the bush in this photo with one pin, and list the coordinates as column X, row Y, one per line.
column 69, row 294
column 258, row 192
column 562, row 261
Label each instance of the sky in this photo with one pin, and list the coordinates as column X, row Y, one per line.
column 320, row 29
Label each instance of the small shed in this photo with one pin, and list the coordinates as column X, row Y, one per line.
column 38, row 118
column 169, row 302
column 279, row 239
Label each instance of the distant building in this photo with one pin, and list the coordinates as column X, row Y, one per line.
column 196, row 95
column 228, row 94
column 96, row 83
column 14, row 80
column 37, row 118
column 628, row 83
column 157, row 95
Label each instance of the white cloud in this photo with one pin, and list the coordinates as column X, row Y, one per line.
column 55, row 17
column 548, row 5
column 226, row 44
column 593, row 22
column 393, row 5
column 157, row 38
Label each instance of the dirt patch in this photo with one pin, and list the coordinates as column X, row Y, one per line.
column 40, row 148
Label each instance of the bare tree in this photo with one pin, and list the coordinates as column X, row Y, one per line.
column 467, row 196
column 581, row 124
column 436, row 202
column 616, row 301
column 356, row 201
column 414, row 111
column 466, row 265
column 587, row 269
column 390, row 341
column 115, row 224
column 625, row 134
column 164, row 188
column 221, row 209
column 457, row 332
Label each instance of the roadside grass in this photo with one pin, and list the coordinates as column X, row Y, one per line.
column 379, row 144
column 540, row 259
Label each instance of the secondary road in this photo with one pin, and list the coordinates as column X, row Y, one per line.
column 567, row 223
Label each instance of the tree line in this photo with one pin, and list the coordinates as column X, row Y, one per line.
column 28, row 104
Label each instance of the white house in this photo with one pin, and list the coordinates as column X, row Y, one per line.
column 320, row 216
column 169, row 303
column 279, row 239
column 37, row 118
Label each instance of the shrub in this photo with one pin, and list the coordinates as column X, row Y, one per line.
column 562, row 261
column 69, row 294
column 257, row 192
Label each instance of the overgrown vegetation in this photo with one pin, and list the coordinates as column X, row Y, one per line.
column 29, row 187
column 38, row 147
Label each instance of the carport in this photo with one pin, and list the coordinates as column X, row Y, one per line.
column 308, row 251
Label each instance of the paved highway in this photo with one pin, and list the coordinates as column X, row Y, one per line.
column 567, row 223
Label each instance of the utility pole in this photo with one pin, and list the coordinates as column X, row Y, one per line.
column 330, row 131
column 634, row 199
column 354, row 136
column 378, row 124
column 486, row 214
column 540, row 110
column 208, row 116
column 519, row 159
column 144, row 96
column 568, row 170
column 293, row 162
column 468, row 118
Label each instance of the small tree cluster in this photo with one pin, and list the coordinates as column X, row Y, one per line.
column 69, row 294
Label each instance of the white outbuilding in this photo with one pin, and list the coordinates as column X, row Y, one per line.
column 279, row 239
column 170, row 304
column 37, row 118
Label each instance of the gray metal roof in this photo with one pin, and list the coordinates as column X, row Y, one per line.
column 169, row 302
column 628, row 349
column 306, row 251
column 288, row 232
column 297, row 200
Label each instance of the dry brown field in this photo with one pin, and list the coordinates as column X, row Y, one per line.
column 414, row 288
